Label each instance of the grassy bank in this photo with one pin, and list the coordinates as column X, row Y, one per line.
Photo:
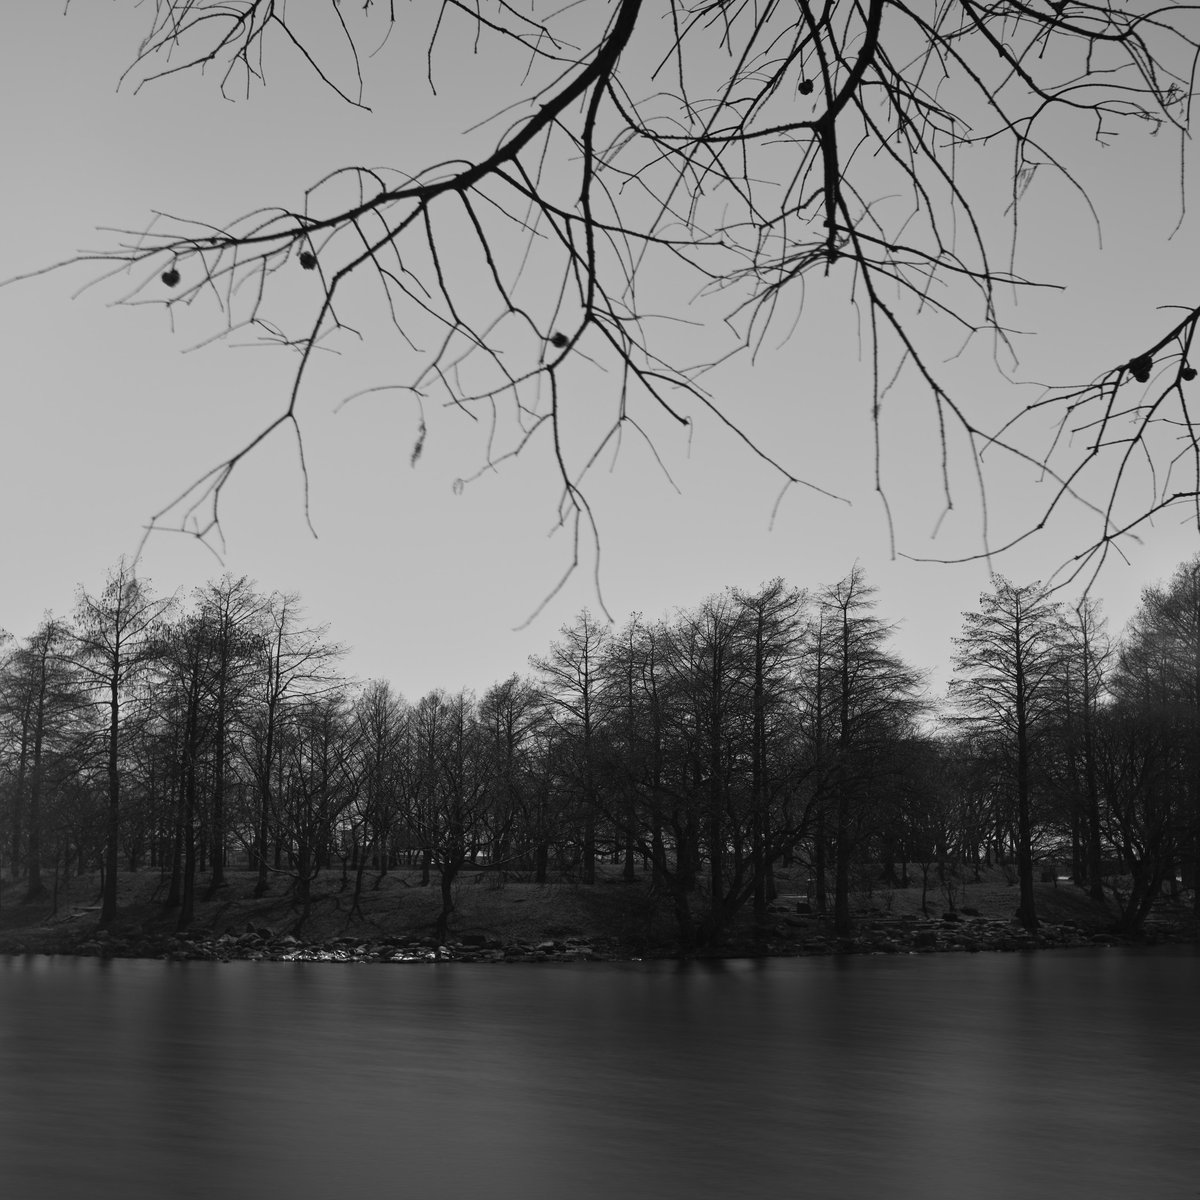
column 513, row 916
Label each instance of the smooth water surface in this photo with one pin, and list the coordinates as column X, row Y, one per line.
column 1072, row 1074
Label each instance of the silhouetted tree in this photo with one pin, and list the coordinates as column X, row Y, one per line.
column 39, row 701
column 572, row 683
column 510, row 716
column 1086, row 651
column 871, row 696
column 1140, row 808
column 1157, row 675
column 317, row 784
column 772, row 628
column 231, row 614
column 115, row 640
column 380, row 716
column 711, row 677
column 293, row 661
column 1008, row 658
column 184, row 656
column 448, row 819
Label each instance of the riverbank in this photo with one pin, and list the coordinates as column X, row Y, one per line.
column 511, row 919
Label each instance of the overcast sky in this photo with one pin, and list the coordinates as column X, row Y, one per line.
column 106, row 417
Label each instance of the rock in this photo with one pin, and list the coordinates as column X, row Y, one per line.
column 475, row 940
column 925, row 939
column 951, row 918
column 969, row 912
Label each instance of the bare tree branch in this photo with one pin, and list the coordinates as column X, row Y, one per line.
column 729, row 155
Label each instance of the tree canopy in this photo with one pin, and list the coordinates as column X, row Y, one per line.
column 656, row 192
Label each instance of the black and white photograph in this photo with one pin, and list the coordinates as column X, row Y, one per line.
column 600, row 598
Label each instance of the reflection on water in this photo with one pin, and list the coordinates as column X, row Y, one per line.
column 1073, row 1074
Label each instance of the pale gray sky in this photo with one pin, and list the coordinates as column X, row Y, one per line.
column 106, row 419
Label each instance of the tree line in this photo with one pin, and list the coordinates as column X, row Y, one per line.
column 700, row 752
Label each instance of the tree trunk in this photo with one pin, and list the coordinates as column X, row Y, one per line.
column 261, row 883
column 108, row 903
column 175, row 890
column 36, row 888
column 18, row 802
column 446, row 881
column 589, row 852
column 758, row 865
column 187, row 906
column 822, row 897
column 1026, row 911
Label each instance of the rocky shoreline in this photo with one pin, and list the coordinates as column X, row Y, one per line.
column 790, row 934
column 964, row 931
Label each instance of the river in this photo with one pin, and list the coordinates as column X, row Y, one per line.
column 1067, row 1074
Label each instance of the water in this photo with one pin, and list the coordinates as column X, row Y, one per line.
column 1072, row 1074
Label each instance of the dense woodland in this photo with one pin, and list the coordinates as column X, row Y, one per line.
column 700, row 751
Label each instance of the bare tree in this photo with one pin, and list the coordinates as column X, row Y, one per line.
column 714, row 157
column 294, row 662
column 772, row 627
column 231, row 614
column 183, row 653
column 1143, row 806
column 510, row 715
column 1158, row 671
column 873, row 700
column 448, row 819
column 712, row 671
column 116, row 637
column 39, row 697
column 1086, row 650
column 573, row 685
column 380, row 716
column 1008, row 660
column 318, row 745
